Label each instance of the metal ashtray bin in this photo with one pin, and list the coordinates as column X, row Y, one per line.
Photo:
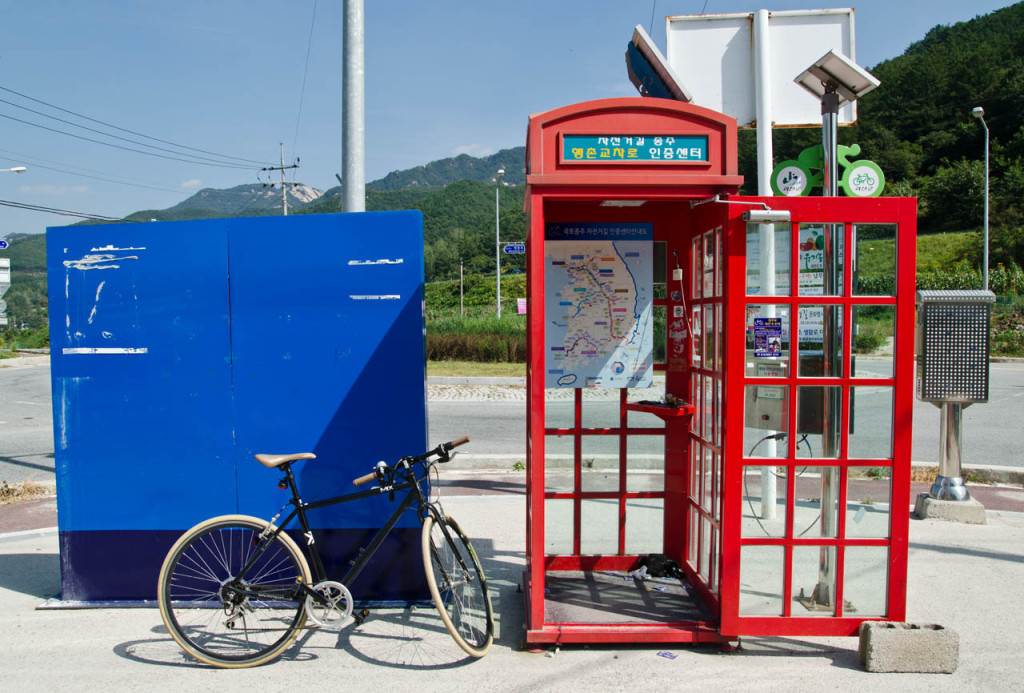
column 952, row 346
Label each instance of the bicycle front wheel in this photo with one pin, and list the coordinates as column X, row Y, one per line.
column 221, row 616
column 457, row 585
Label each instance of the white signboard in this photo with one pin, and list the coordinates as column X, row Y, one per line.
column 714, row 56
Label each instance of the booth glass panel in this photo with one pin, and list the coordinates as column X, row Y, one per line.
column 815, row 502
column 558, row 527
column 866, row 581
column 719, row 399
column 766, row 411
column 762, row 571
column 874, row 260
column 719, row 337
column 707, row 497
column 599, row 527
column 814, row 569
column 696, row 469
column 812, row 321
column 767, row 356
column 815, row 404
column 708, row 265
column 707, row 403
column 558, row 408
column 874, row 335
column 760, row 521
column 645, row 464
column 693, row 532
column 871, row 438
column 820, row 259
column 719, row 274
column 705, row 548
column 659, row 313
column 868, row 502
column 599, row 464
column 768, row 273
column 716, row 504
column 645, row 526
column 711, row 338
column 698, row 337
column 559, row 476
column 697, row 266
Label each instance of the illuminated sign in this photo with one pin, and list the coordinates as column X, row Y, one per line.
column 634, row 148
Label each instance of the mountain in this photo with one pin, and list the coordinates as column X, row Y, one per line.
column 242, row 200
column 463, row 167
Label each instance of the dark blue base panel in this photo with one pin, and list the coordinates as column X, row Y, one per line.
column 124, row 565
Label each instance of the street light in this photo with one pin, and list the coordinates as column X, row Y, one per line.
column 16, row 169
column 497, row 237
column 979, row 113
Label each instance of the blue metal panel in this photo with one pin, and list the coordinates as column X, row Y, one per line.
column 328, row 351
column 140, row 372
column 179, row 350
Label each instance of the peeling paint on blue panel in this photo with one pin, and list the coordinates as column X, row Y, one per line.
column 181, row 349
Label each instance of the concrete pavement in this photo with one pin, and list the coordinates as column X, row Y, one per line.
column 965, row 577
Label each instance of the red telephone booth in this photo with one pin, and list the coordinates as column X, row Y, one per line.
column 774, row 465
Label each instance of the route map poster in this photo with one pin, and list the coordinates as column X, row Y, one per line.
column 598, row 305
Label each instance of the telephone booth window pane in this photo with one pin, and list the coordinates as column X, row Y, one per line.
column 815, row 503
column 710, row 334
column 709, row 476
column 645, row 525
column 559, row 476
column 645, row 464
column 708, row 404
column 866, row 581
column 874, row 335
column 558, row 527
column 767, row 341
column 709, row 264
column 718, row 337
column 558, row 408
column 768, row 271
column 718, row 267
column 871, row 428
column 761, row 580
column 765, row 414
column 695, row 460
column 716, row 473
column 698, row 271
column 660, row 334
column 814, row 581
column 874, row 260
column 599, row 464
column 599, row 527
column 716, row 554
column 815, row 406
column 820, row 259
column 705, row 548
column 759, row 519
column 698, row 337
column 820, row 332
column 868, row 502
column 717, row 439
column 693, row 530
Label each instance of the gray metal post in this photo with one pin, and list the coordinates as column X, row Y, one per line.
column 832, row 365
column 353, row 127
column 949, row 485
column 497, row 238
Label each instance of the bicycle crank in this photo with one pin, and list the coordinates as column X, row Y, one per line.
column 331, row 607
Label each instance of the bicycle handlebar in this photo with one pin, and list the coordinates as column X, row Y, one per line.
column 441, row 450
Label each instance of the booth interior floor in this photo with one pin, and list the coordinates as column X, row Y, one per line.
column 611, row 597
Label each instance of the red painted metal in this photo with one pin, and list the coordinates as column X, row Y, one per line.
column 704, row 456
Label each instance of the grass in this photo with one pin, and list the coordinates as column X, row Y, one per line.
column 473, row 369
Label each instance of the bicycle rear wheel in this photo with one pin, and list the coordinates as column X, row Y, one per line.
column 458, row 585
column 221, row 617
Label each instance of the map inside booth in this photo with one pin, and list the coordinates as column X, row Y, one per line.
column 598, row 305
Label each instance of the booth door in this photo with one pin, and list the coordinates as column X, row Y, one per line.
column 819, row 378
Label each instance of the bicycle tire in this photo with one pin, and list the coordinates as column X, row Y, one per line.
column 461, row 596
column 211, row 624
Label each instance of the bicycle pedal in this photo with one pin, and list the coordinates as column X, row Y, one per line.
column 361, row 616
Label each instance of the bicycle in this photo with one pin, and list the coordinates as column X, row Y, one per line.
column 234, row 591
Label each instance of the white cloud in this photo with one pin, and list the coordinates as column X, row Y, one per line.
column 192, row 184
column 473, row 150
column 53, row 189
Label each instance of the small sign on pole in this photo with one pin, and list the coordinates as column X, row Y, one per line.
column 3, row 244
column 515, row 248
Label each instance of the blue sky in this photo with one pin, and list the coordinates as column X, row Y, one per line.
column 442, row 78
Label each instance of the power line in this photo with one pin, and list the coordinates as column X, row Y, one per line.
column 132, row 132
column 116, row 137
column 35, row 164
column 305, row 70
column 62, row 212
column 117, row 146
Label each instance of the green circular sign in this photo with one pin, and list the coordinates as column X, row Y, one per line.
column 790, row 179
column 863, row 179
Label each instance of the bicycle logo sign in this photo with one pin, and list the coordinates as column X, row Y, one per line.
column 861, row 178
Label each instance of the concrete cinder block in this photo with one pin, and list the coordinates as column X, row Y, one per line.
column 927, row 648
column 968, row 511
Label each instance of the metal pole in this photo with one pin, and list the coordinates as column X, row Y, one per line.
column 497, row 238
column 832, row 365
column 766, row 232
column 986, row 203
column 949, row 485
column 353, row 128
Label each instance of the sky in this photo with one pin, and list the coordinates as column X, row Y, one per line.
column 233, row 79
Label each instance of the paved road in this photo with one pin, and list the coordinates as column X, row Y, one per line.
column 494, row 417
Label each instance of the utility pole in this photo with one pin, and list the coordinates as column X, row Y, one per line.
column 284, row 186
column 353, row 112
